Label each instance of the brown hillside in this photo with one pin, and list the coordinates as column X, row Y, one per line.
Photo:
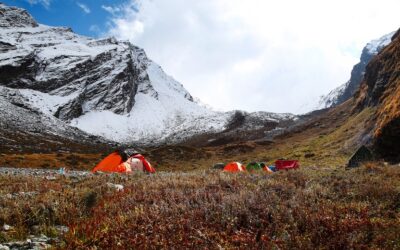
column 381, row 88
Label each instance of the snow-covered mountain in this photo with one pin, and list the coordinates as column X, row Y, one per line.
column 104, row 87
column 347, row 90
column 24, row 128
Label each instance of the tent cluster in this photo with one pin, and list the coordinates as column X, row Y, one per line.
column 124, row 161
column 130, row 160
column 257, row 166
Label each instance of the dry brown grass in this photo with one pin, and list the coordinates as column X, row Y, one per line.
column 308, row 208
column 51, row 161
column 390, row 109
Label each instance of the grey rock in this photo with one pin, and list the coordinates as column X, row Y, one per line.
column 7, row 227
column 3, row 247
column 15, row 17
column 117, row 187
column 363, row 154
column 62, row 229
column 219, row 165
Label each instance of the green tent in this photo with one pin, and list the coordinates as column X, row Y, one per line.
column 254, row 166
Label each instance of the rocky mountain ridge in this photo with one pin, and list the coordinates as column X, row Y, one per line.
column 345, row 91
column 104, row 87
column 380, row 89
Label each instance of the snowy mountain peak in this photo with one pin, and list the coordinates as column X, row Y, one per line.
column 102, row 86
column 347, row 90
column 374, row 46
column 331, row 99
column 15, row 17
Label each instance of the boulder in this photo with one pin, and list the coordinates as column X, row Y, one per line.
column 219, row 165
column 363, row 154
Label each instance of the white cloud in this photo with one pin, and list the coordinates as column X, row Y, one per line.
column 255, row 54
column 45, row 3
column 84, row 7
column 111, row 9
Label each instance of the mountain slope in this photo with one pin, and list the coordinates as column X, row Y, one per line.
column 346, row 91
column 381, row 89
column 104, row 87
column 24, row 128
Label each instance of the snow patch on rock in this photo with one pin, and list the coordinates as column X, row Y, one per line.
column 346, row 90
column 377, row 45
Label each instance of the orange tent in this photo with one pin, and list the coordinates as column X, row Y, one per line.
column 234, row 167
column 124, row 162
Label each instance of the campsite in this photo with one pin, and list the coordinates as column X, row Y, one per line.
column 234, row 206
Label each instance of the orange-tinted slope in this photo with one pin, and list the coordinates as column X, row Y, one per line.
column 381, row 88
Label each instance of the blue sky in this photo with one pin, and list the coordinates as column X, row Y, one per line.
column 85, row 17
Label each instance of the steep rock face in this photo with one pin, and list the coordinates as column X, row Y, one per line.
column 381, row 88
column 347, row 90
column 104, row 87
column 105, row 73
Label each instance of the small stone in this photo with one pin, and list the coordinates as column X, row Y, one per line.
column 42, row 245
column 309, row 155
column 7, row 227
column 62, row 229
column 16, row 244
column 2, row 247
column 117, row 187
column 41, row 239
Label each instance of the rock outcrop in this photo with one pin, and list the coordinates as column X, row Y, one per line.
column 381, row 89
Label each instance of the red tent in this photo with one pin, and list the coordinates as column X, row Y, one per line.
column 123, row 162
column 286, row 164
